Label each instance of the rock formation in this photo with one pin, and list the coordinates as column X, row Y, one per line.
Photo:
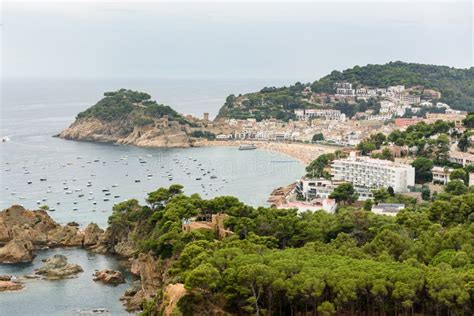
column 92, row 234
column 37, row 227
column 17, row 251
column 173, row 293
column 57, row 267
column 120, row 132
column 109, row 276
column 147, row 268
column 10, row 286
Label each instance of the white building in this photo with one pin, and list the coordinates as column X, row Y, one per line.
column 387, row 209
column 461, row 158
column 314, row 188
column 373, row 173
column 396, row 89
column 326, row 114
column 441, row 174
column 345, row 89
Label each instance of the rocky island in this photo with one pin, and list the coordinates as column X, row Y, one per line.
column 129, row 117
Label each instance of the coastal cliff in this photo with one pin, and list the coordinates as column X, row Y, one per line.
column 123, row 133
column 130, row 118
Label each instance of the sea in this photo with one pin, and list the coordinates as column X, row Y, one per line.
column 81, row 181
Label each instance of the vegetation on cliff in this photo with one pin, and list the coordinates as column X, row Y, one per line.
column 131, row 105
column 282, row 261
column 456, row 87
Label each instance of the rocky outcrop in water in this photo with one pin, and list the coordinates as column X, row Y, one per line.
column 18, row 224
column 57, row 267
column 92, row 235
column 10, row 286
column 109, row 276
column 17, row 251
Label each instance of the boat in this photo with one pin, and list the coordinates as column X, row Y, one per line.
column 247, row 147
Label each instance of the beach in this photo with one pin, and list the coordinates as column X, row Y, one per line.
column 305, row 153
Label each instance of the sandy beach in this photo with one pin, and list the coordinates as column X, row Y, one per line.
column 303, row 152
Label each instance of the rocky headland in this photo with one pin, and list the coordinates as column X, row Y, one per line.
column 128, row 117
column 22, row 232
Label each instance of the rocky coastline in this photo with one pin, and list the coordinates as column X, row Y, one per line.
column 122, row 132
column 22, row 232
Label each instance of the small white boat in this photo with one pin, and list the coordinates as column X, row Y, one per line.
column 247, row 147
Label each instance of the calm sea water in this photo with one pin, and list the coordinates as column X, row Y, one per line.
column 72, row 177
column 74, row 296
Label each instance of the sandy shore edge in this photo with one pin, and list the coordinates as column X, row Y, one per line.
column 302, row 152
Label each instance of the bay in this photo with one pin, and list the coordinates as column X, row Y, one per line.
column 37, row 169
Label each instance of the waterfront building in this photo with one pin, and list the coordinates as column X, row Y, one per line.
column 372, row 173
column 314, row 188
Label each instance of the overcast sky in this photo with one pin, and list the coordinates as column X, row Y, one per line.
column 294, row 41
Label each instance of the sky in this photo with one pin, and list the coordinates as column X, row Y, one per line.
column 285, row 40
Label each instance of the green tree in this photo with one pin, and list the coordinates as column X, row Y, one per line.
column 423, row 168
column 456, row 187
column 326, row 309
column 344, row 193
column 468, row 122
column 316, row 168
column 318, row 137
column 204, row 277
column 366, row 146
column 425, row 193
column 368, row 205
column 459, row 174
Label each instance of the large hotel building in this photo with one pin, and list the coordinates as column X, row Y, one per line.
column 372, row 173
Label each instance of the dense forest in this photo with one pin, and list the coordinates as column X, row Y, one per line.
column 281, row 262
column 456, row 87
column 134, row 106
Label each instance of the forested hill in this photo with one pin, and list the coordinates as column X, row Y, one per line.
column 456, row 87
column 136, row 107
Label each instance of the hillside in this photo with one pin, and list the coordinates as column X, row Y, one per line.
column 455, row 85
column 131, row 117
column 222, row 257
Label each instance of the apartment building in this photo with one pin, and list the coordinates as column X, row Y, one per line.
column 461, row 158
column 373, row 173
column 326, row 114
column 314, row 188
column 441, row 174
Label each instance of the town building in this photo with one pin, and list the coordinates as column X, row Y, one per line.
column 327, row 205
column 441, row 174
column 461, row 158
column 314, row 188
column 372, row 173
column 344, row 89
column 390, row 209
column 405, row 122
column 456, row 118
